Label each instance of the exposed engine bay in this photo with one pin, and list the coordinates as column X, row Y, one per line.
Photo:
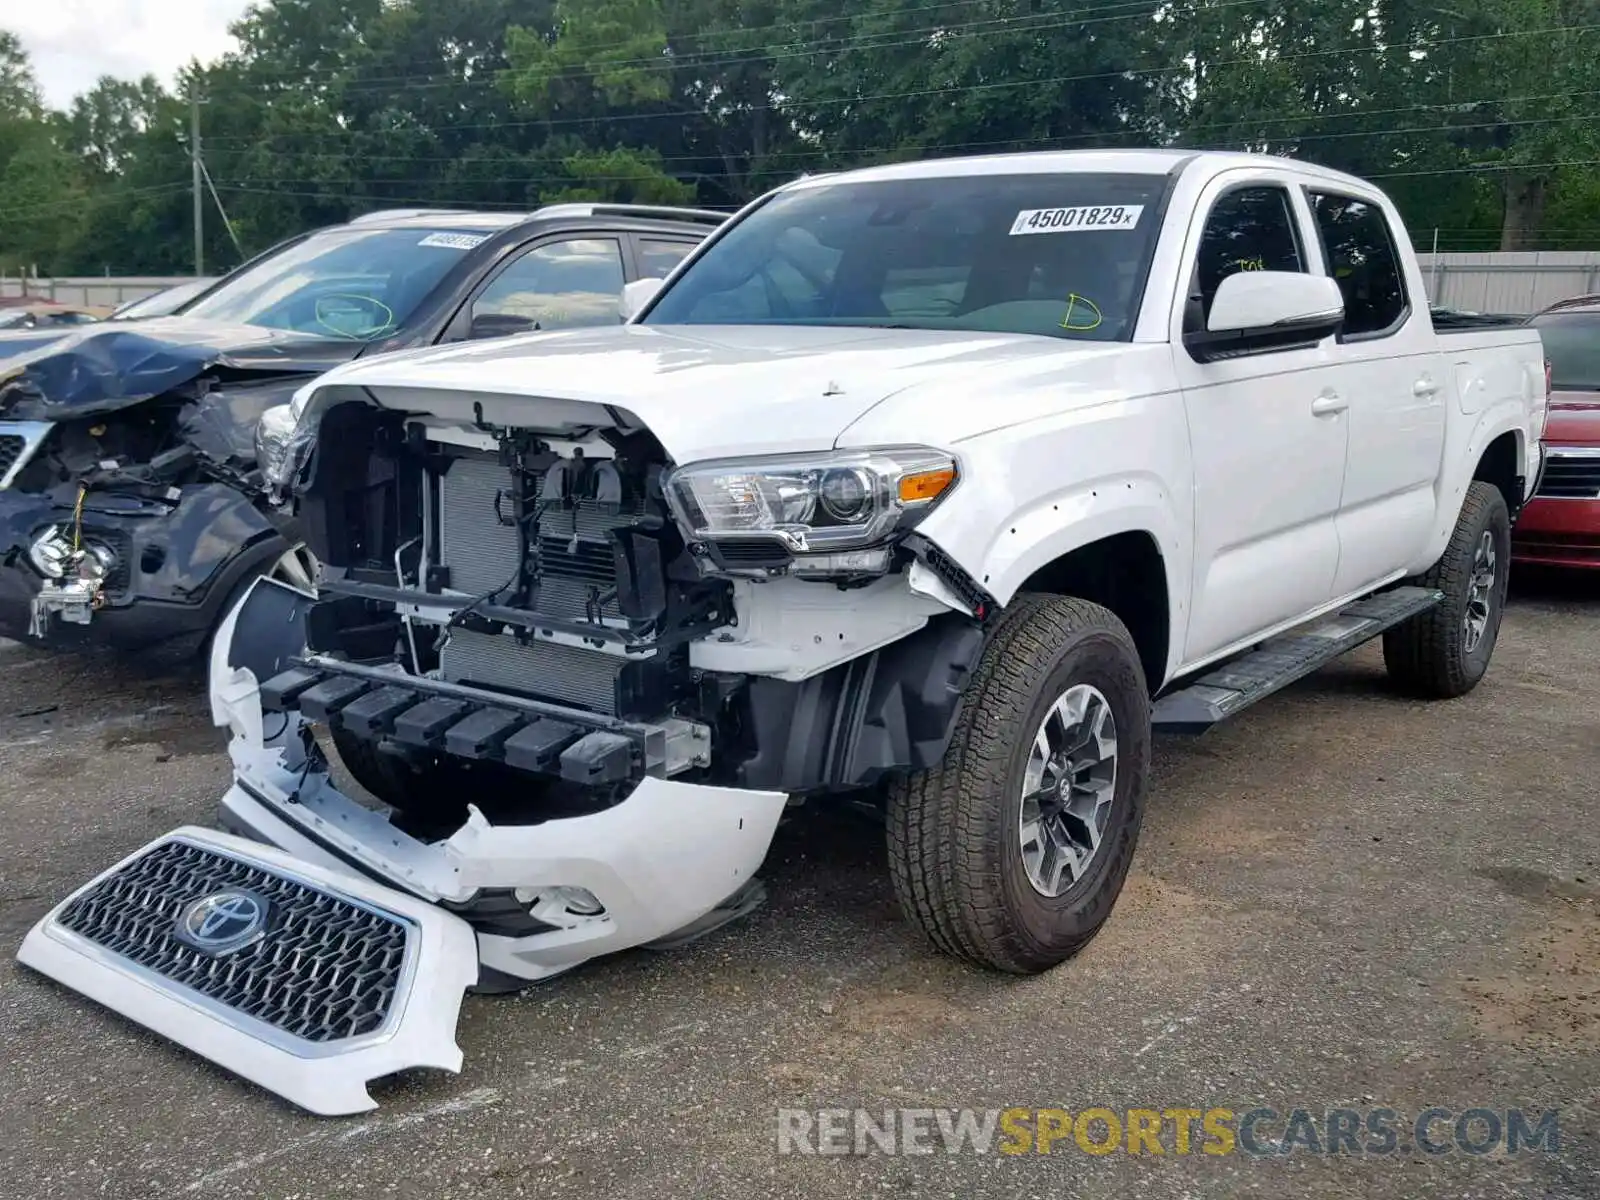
column 498, row 603
column 156, row 501
column 128, row 474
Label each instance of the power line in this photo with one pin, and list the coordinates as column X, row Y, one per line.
column 253, row 185
column 1480, row 168
column 195, row 168
column 821, row 152
column 958, row 89
column 867, row 152
column 1139, row 9
column 1286, row 118
column 1041, row 23
column 326, row 195
column 228, row 224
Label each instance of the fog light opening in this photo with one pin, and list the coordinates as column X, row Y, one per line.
column 562, row 907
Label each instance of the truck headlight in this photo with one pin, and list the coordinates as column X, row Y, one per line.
column 273, row 432
column 813, row 503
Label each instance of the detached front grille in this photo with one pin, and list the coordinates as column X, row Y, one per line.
column 324, row 970
column 1570, row 477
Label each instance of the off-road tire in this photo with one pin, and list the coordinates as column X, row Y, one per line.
column 953, row 831
column 1427, row 655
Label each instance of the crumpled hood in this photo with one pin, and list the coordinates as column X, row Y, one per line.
column 114, row 364
column 704, row 391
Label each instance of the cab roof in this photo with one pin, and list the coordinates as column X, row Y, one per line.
column 490, row 222
column 1062, row 162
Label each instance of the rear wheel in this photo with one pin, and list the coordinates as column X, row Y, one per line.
column 1445, row 651
column 1012, row 851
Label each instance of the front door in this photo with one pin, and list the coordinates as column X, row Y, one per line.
column 1267, row 432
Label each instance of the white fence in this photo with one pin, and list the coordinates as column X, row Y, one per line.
column 92, row 290
column 1518, row 282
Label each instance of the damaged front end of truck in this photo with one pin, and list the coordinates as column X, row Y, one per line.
column 576, row 702
column 132, row 509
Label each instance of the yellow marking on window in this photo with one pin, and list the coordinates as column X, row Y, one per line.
column 1083, row 314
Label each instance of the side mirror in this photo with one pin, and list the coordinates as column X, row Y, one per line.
column 636, row 295
column 1255, row 311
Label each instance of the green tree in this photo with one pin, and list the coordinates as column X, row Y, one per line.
column 1479, row 116
column 38, row 189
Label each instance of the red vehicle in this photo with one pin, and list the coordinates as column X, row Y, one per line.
column 1560, row 527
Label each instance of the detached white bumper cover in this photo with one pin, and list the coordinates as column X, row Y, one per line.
column 657, row 862
column 307, row 981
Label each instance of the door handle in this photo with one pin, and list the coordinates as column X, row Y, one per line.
column 1329, row 403
column 1424, row 387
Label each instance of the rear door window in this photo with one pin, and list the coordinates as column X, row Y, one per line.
column 657, row 259
column 1360, row 252
column 557, row 285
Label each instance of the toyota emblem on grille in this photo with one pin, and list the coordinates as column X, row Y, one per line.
column 223, row 921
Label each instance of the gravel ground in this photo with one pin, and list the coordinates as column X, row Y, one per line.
column 1343, row 899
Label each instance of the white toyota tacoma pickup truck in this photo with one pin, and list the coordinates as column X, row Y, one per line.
column 943, row 483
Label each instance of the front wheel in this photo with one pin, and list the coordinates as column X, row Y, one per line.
column 1011, row 852
column 296, row 566
column 1445, row 651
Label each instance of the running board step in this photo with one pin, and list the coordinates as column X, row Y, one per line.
column 1241, row 682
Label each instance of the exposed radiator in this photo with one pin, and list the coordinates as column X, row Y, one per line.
column 544, row 670
column 481, row 553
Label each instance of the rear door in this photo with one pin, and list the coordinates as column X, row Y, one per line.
column 1395, row 382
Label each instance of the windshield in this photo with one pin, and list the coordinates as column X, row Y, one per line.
column 162, row 303
column 360, row 284
column 1572, row 344
column 1057, row 255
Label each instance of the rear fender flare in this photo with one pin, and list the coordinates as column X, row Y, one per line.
column 1505, row 416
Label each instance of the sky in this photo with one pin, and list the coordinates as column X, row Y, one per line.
column 74, row 42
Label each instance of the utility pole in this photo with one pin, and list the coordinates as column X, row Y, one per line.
column 194, row 164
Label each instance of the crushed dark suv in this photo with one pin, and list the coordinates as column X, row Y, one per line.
column 132, row 510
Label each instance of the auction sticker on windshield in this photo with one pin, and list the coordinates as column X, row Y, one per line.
column 454, row 241
column 1077, row 220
